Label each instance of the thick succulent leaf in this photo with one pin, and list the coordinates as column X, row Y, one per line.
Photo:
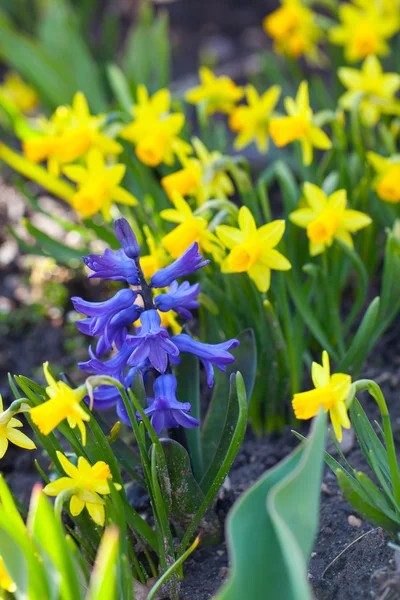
column 269, row 535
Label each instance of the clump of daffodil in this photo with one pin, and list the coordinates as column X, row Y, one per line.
column 387, row 182
column 294, row 29
column 217, row 94
column 253, row 250
column 98, row 186
column 202, row 177
column 64, row 403
column 85, row 484
column 330, row 393
column 154, row 130
column 9, row 429
column 156, row 259
column 252, row 121
column 68, row 135
column 299, row 125
column 19, row 94
column 190, row 229
column 6, row 583
column 374, row 90
column 327, row 219
column 365, row 26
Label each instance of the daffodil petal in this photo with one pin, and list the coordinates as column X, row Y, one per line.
column 96, row 511
column 60, row 485
column 76, row 506
column 20, row 439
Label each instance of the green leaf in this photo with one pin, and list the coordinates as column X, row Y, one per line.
column 216, row 421
column 359, row 348
column 120, row 87
column 103, row 583
column 186, row 493
column 60, row 252
column 188, row 376
column 270, row 535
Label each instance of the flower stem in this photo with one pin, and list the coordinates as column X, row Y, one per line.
column 376, row 392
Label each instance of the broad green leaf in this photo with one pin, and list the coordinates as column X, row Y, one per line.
column 269, row 534
column 103, row 583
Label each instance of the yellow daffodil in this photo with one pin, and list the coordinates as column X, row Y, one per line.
column 6, row 583
column 154, row 130
column 98, row 186
column 327, row 219
column 252, row 121
column 191, row 228
column 330, row 392
column 294, row 29
column 365, row 26
column 157, row 258
column 218, row 94
column 9, row 430
column 67, row 135
column 18, row 93
column 299, row 125
column 64, row 403
column 86, row 485
column 202, row 177
column 372, row 88
column 387, row 183
column 253, row 250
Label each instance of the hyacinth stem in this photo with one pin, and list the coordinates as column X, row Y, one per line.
column 376, row 392
column 145, row 290
column 37, row 174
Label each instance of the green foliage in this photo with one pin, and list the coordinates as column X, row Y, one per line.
column 270, row 536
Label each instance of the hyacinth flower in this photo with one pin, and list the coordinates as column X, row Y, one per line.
column 164, row 410
column 299, row 125
column 327, row 219
column 150, row 347
column 217, row 94
column 86, row 483
column 387, row 181
column 9, row 429
column 64, row 403
column 330, row 392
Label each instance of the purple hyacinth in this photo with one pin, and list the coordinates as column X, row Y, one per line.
column 209, row 354
column 108, row 319
column 114, row 367
column 127, row 238
column 188, row 263
column 165, row 410
column 180, row 298
column 151, row 342
column 115, row 266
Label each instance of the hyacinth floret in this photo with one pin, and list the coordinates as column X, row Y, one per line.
column 148, row 347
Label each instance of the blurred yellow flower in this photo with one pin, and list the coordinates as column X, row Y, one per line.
column 98, row 186
column 6, row 583
column 299, row 125
column 202, row 177
column 253, row 250
column 86, row 483
column 327, row 219
column 154, row 129
column 387, row 183
column 69, row 133
column 157, row 258
column 9, row 430
column 219, row 94
column 21, row 95
column 190, row 229
column 252, row 121
column 294, row 29
column 365, row 27
column 330, row 393
column 371, row 87
column 64, row 403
